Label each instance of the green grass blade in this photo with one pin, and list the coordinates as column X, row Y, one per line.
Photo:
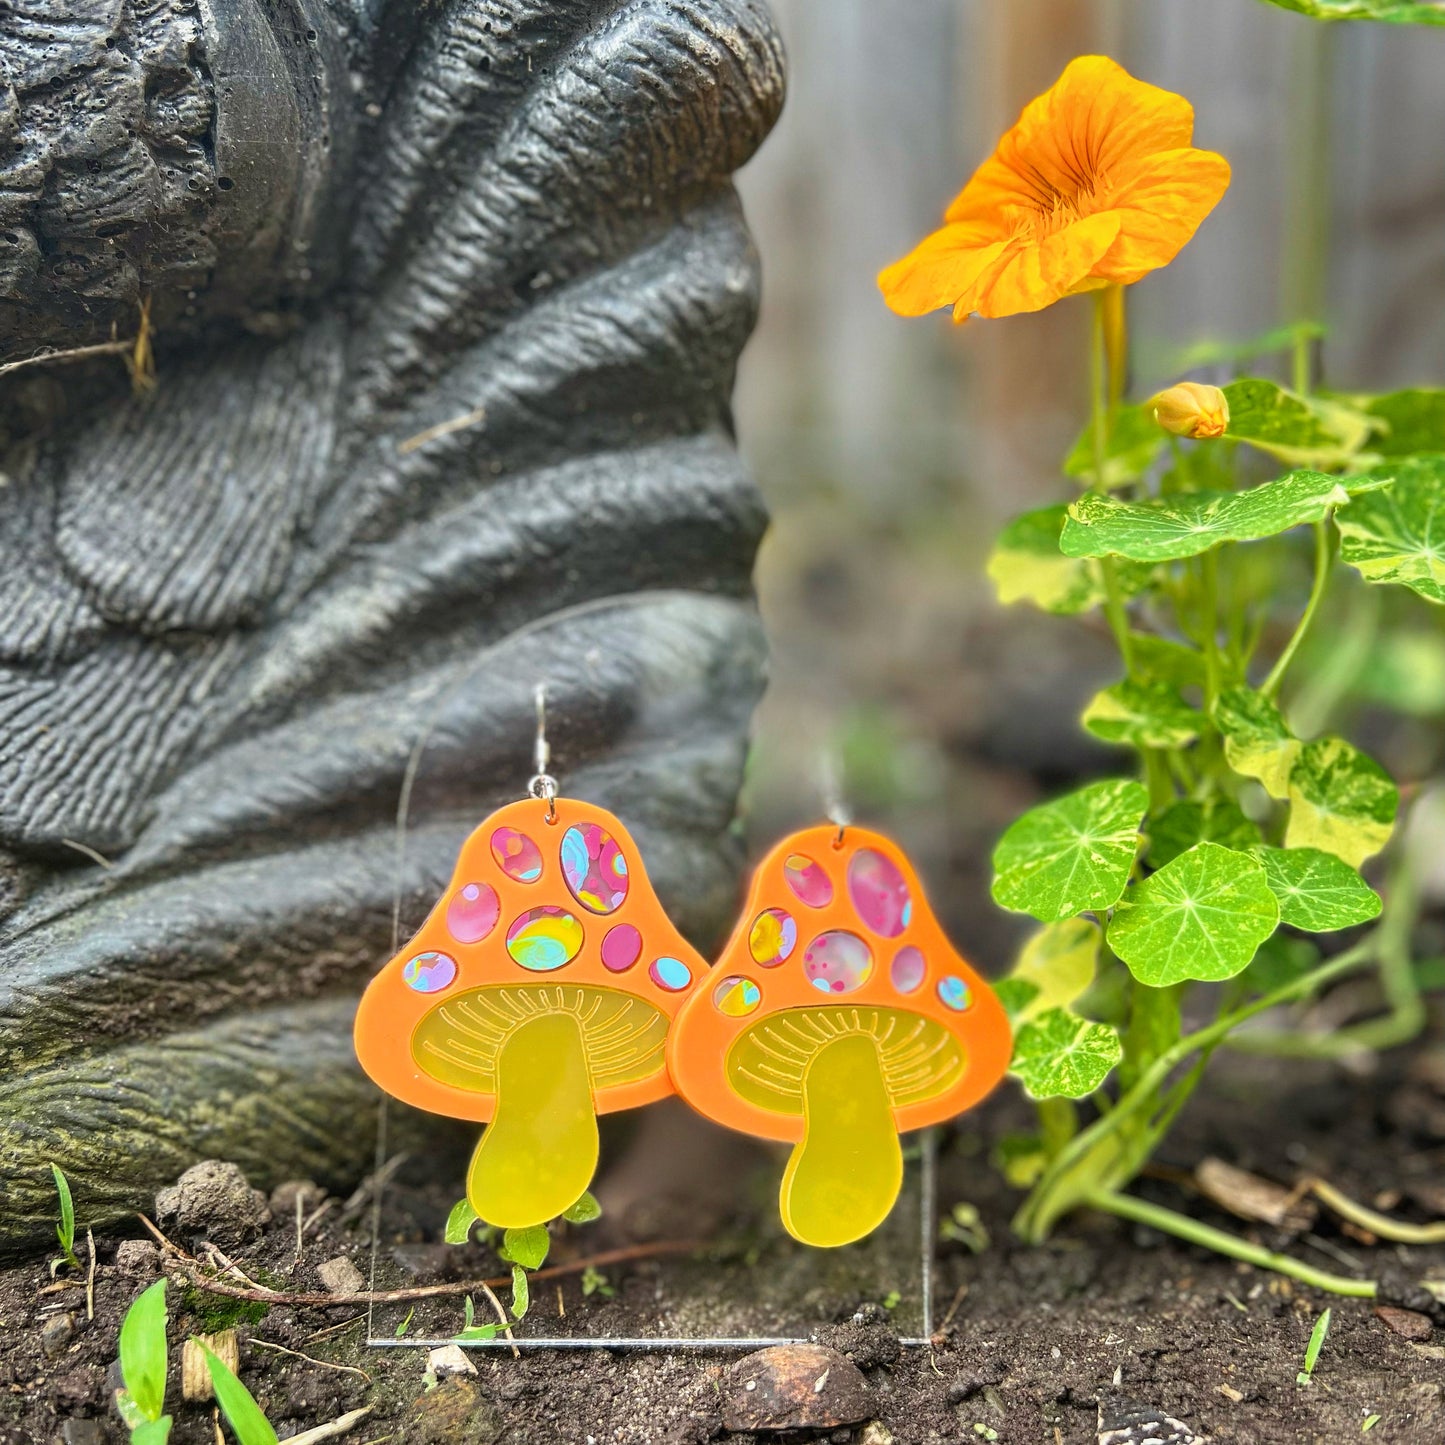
column 143, row 1350
column 245, row 1417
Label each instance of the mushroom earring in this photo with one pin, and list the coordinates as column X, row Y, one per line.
column 537, row 995
column 837, row 1017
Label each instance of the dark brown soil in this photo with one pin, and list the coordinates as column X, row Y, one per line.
column 1037, row 1339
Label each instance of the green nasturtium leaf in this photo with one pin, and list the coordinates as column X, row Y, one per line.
column 1410, row 421
column 1165, row 660
column 1054, row 967
column 1059, row 1055
column 584, row 1211
column 1135, row 443
column 1073, row 855
column 1281, row 960
column 1257, row 741
column 1027, row 566
column 1165, row 529
column 1341, row 801
column 521, row 1292
column 1317, row 892
column 1183, row 824
column 1391, row 12
column 1299, row 431
column 1200, row 917
column 1399, row 535
column 527, row 1247
column 459, row 1222
column 1017, row 995
column 1144, row 714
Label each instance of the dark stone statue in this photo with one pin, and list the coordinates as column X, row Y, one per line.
column 447, row 297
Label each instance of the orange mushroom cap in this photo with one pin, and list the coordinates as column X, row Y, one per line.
column 538, row 993
column 838, row 957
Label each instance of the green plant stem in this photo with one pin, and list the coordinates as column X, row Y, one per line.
column 1099, row 385
column 1059, row 1121
column 1051, row 1196
column 1210, row 628
column 1317, row 592
column 1169, row 1221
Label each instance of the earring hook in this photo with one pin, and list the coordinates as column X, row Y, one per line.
column 830, row 784
column 543, row 784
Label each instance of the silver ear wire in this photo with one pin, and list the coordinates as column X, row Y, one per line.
column 830, row 785
column 543, row 784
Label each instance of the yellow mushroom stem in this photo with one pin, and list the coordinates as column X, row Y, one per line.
column 539, row 1153
column 844, row 1175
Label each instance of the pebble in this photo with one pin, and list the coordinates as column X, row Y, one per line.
column 213, row 1199
column 137, row 1256
column 794, row 1387
column 1409, row 1323
column 82, row 1432
column 1128, row 1422
column 56, row 1333
column 449, row 1360
column 340, row 1276
column 875, row 1432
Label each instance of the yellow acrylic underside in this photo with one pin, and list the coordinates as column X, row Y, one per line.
column 542, row 1050
column 845, row 1070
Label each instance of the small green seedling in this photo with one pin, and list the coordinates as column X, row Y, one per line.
column 584, row 1211
column 1312, row 1350
column 595, row 1282
column 1370, row 1422
column 471, row 1330
column 965, row 1226
column 143, row 1368
column 405, row 1325
column 246, row 1418
column 65, row 1229
column 892, row 1300
column 459, row 1223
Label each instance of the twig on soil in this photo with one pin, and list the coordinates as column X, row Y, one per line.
column 502, row 1315
column 73, row 353
column 192, row 1267
column 368, row 1186
column 958, row 1298
column 218, row 1253
column 332, row 1429
column 314, row 1217
column 333, row 1330
column 311, row 1360
column 90, row 1278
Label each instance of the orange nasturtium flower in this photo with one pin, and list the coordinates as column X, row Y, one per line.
column 1096, row 185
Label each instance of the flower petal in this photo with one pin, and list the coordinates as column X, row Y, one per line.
column 1160, row 205
column 1095, row 119
column 942, row 270
column 1046, row 270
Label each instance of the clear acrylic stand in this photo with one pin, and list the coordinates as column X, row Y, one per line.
column 762, row 1289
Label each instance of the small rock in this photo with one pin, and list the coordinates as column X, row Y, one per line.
column 794, row 1387
column 455, row 1411
column 423, row 1261
column 340, row 1276
column 1409, row 1323
column 82, row 1432
column 137, row 1256
column 449, row 1360
column 968, row 1383
column 213, row 1199
column 284, row 1196
column 56, row 1333
column 1127, row 1422
column 868, row 1338
column 875, row 1432
column 77, row 1388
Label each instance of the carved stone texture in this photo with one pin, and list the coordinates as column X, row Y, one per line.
column 448, row 301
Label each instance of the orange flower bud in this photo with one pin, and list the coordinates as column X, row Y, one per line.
column 1192, row 409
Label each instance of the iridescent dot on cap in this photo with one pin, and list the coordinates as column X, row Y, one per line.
column 671, row 974
column 954, row 993
column 837, row 962
column 772, row 937
column 879, row 893
column 736, row 996
column 808, row 880
column 429, row 972
column 472, row 912
column 544, row 938
column 517, row 855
